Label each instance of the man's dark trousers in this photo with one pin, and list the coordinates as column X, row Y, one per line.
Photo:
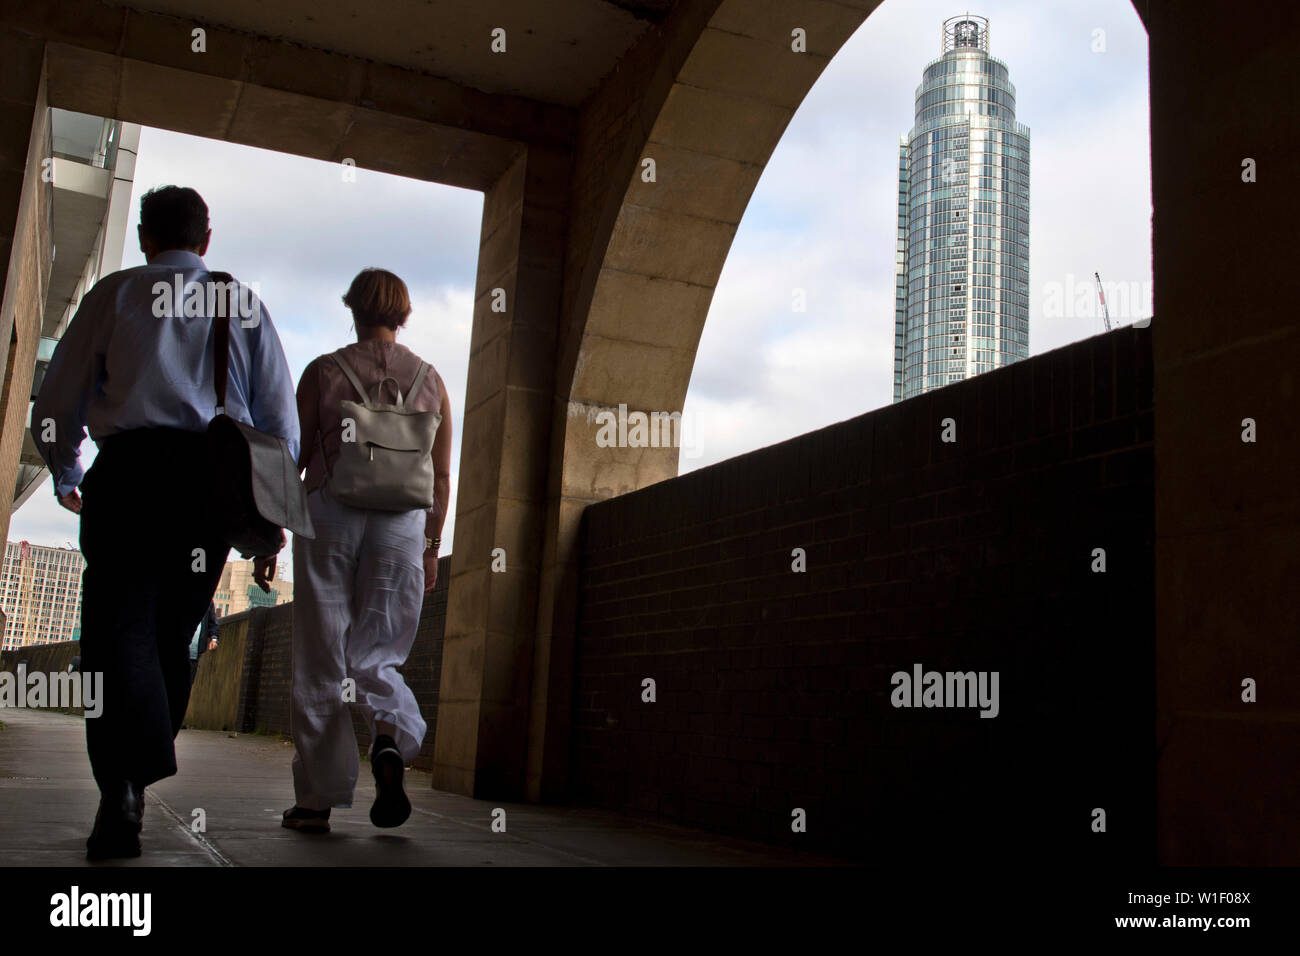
column 152, row 565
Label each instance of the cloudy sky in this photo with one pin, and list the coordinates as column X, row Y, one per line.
column 822, row 219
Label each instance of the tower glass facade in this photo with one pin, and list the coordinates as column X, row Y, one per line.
column 962, row 259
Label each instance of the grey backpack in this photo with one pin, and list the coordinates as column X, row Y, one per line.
column 384, row 463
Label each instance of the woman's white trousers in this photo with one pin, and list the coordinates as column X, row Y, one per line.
column 357, row 592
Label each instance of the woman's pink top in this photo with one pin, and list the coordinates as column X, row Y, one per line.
column 323, row 386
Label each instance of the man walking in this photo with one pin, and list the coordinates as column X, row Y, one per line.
column 205, row 639
column 135, row 369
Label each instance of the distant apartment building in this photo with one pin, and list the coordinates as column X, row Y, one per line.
column 40, row 594
column 237, row 591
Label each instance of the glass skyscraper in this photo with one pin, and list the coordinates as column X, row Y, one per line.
column 962, row 262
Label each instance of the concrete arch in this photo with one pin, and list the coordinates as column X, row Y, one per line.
column 718, row 122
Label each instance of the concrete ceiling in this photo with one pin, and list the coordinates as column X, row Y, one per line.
column 451, row 38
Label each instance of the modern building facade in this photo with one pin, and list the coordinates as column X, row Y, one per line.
column 236, row 591
column 962, row 257
column 40, row 594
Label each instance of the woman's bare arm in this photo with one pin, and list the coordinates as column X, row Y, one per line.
column 441, row 466
column 308, row 414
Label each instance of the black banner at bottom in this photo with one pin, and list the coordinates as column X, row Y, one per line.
column 334, row 905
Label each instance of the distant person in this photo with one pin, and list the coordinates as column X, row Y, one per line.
column 360, row 584
column 137, row 372
column 204, row 639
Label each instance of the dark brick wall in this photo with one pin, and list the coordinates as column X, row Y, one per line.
column 774, row 686
column 267, row 671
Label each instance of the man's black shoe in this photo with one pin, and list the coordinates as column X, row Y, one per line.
column 117, row 824
column 391, row 807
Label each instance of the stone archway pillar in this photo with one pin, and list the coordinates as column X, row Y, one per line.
column 492, row 604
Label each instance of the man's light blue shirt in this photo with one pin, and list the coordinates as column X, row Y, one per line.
column 194, row 641
column 121, row 366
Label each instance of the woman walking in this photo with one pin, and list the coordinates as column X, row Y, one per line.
column 376, row 446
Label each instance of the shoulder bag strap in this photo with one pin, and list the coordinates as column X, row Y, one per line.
column 220, row 359
column 221, row 349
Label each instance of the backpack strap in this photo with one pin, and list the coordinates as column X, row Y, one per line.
column 417, row 382
column 351, row 376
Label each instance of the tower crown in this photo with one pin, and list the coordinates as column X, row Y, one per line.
column 965, row 32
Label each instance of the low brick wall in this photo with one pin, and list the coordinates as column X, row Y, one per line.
column 214, row 696
column 774, row 686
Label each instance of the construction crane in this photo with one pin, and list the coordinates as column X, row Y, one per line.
column 1101, row 294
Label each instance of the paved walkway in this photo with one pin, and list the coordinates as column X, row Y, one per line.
column 242, row 783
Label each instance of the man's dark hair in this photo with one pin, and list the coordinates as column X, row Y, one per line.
column 174, row 217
